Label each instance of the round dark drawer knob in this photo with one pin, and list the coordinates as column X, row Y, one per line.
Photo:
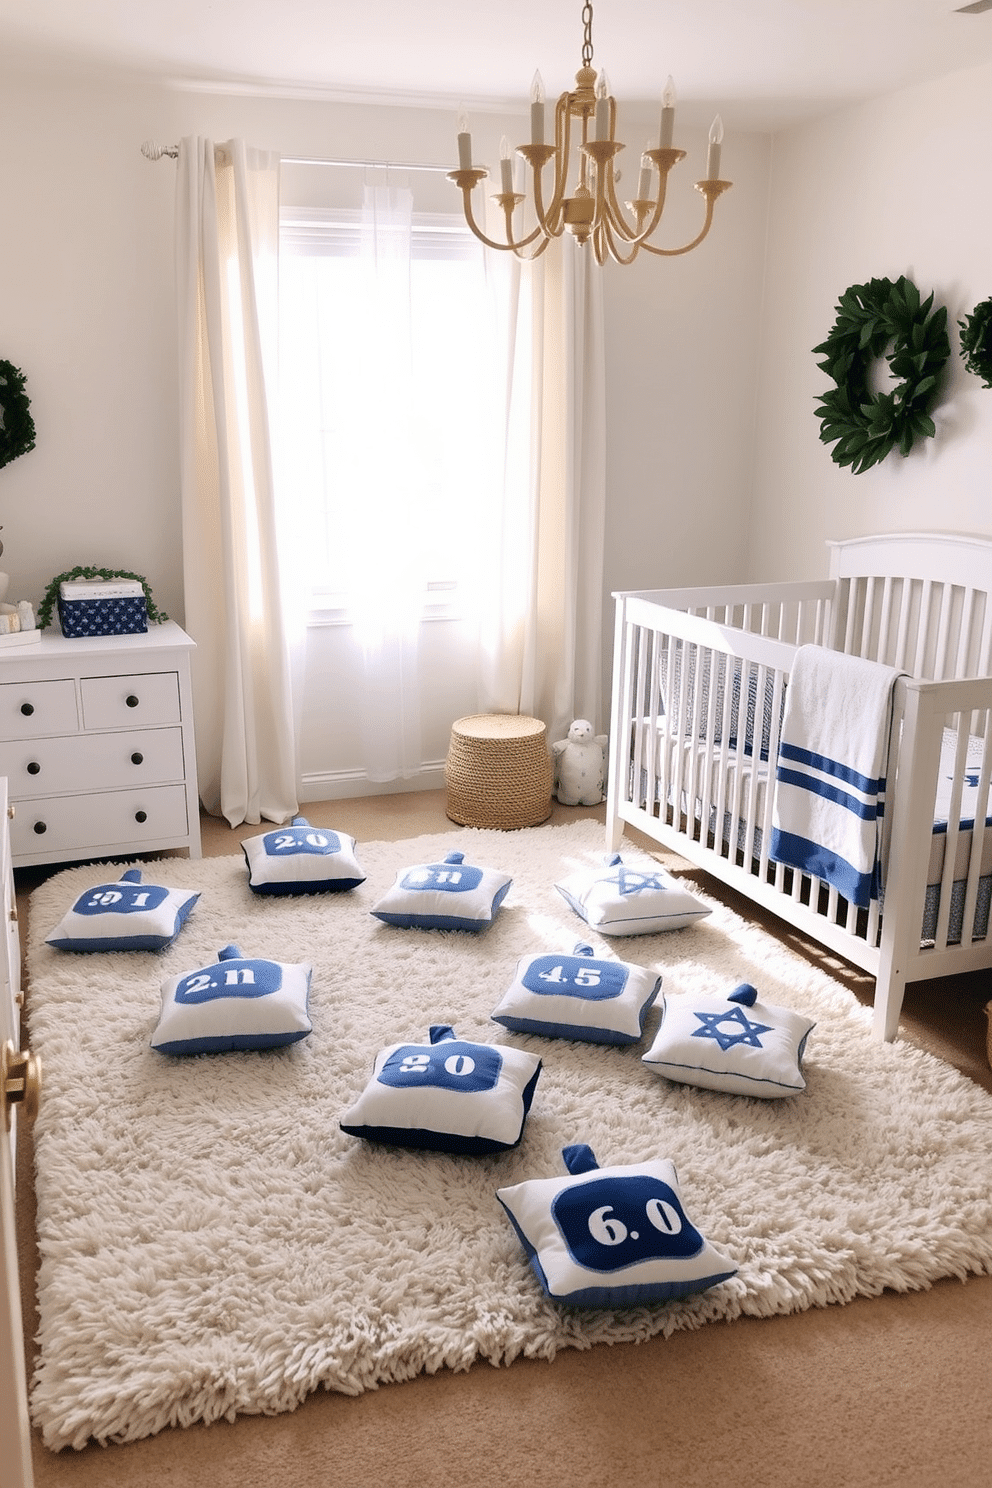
column 131, row 700
column 34, row 768
column 41, row 828
column 27, row 709
column 137, row 758
column 141, row 816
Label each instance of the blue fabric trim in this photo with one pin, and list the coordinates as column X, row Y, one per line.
column 867, row 811
column 582, row 1032
column 871, row 785
column 813, row 857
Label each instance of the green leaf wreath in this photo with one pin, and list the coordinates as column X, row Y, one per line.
column 976, row 341
column 16, row 423
column 47, row 607
column 864, row 426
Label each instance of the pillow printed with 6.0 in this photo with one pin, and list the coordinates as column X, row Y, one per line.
column 301, row 859
column 612, row 1237
column 734, row 1043
column 578, row 997
column 453, row 895
column 125, row 916
column 619, row 899
column 238, row 1003
column 448, row 1095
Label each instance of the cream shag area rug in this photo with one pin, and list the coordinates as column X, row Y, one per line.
column 212, row 1243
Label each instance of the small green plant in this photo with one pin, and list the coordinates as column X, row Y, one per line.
column 47, row 607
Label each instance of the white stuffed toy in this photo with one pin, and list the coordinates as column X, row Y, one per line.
column 580, row 765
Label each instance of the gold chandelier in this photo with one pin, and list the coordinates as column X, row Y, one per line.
column 591, row 213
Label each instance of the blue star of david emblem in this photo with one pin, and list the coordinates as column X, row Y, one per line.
column 746, row 1031
column 629, row 881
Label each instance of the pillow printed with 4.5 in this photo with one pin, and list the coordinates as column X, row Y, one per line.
column 578, row 996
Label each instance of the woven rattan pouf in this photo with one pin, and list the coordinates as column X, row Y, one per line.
column 498, row 771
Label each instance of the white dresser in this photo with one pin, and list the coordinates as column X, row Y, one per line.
column 96, row 742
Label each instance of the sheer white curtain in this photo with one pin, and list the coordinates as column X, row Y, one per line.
column 227, row 253
column 389, row 588
column 541, row 626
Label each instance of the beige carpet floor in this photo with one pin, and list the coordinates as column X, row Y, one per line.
column 891, row 1391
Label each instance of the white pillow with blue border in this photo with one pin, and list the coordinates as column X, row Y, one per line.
column 451, row 895
column 735, row 1044
column 579, row 997
column 448, row 1095
column 623, row 899
column 612, row 1237
column 302, row 859
column 237, row 1003
column 128, row 915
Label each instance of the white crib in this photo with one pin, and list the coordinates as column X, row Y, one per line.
column 698, row 690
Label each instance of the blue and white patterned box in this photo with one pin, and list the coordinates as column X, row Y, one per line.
column 127, row 615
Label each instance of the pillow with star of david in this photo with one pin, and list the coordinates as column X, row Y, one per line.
column 301, row 859
column 451, row 895
column 238, row 1003
column 621, row 899
column 578, row 997
column 735, row 1044
column 125, row 916
column 448, row 1095
column 612, row 1237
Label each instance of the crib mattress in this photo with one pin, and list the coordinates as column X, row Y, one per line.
column 755, row 774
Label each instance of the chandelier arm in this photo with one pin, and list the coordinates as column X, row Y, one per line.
column 466, row 190
column 614, row 249
column 711, row 194
column 640, row 232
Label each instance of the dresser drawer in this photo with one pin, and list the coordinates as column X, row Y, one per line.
column 31, row 708
column 100, row 824
column 88, row 762
column 138, row 701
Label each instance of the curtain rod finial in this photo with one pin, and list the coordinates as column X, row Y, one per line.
column 152, row 151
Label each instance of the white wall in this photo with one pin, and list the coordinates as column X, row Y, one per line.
column 898, row 186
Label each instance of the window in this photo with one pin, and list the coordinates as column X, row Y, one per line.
column 390, row 441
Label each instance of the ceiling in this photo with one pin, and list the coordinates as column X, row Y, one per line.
column 763, row 63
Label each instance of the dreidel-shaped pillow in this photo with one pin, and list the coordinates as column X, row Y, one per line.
column 625, row 898
column 452, row 895
column 238, row 1003
column 128, row 915
column 733, row 1043
column 578, row 997
column 612, row 1237
column 447, row 1095
column 301, row 859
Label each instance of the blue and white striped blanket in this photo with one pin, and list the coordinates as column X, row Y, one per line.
column 830, row 782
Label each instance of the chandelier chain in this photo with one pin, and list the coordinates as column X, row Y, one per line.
column 587, row 38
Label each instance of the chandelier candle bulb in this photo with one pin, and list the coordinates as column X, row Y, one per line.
column 713, row 156
column 602, row 108
column 505, row 166
column 667, row 116
column 537, row 110
column 464, row 143
column 644, row 179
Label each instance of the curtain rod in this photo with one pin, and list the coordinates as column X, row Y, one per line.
column 155, row 152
